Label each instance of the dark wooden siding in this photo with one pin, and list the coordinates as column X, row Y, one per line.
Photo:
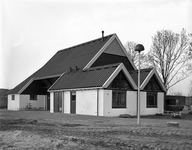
column 106, row 59
column 3, row 98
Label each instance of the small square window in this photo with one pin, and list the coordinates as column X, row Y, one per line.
column 33, row 97
column 151, row 100
column 13, row 97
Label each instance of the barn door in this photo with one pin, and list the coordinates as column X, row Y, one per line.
column 57, row 101
column 73, row 102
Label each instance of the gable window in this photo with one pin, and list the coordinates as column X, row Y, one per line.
column 33, row 97
column 153, row 85
column 120, row 82
column 119, row 86
column 118, row 99
column 151, row 100
column 13, row 97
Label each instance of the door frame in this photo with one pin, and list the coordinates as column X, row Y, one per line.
column 58, row 102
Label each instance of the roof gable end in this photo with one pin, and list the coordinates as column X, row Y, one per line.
column 150, row 75
column 118, row 49
column 116, row 72
column 78, row 55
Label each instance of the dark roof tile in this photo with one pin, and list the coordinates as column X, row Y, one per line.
column 143, row 75
column 93, row 77
column 78, row 55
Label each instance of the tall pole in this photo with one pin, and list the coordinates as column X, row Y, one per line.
column 139, row 48
column 138, row 100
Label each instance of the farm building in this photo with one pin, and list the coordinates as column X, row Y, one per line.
column 178, row 100
column 3, row 98
column 93, row 78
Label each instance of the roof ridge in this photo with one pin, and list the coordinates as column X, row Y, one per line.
column 102, row 67
column 85, row 43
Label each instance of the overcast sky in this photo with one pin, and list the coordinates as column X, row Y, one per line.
column 32, row 31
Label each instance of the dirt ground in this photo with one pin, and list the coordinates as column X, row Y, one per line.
column 42, row 130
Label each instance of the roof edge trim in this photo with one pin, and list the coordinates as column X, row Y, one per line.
column 147, row 79
column 26, row 85
column 75, row 89
column 103, row 49
column 160, row 81
column 114, row 74
column 123, row 48
column 56, row 81
column 46, row 77
column 152, row 72
column 99, row 52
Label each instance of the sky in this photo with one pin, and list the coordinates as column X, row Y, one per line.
column 32, row 31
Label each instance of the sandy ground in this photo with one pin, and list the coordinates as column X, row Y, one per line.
column 42, row 130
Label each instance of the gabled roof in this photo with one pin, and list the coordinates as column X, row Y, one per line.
column 104, row 48
column 92, row 77
column 79, row 55
column 96, row 77
column 145, row 76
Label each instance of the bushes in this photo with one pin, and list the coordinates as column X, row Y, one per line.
column 29, row 107
column 125, row 116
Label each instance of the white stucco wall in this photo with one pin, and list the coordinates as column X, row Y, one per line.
column 51, row 102
column 101, row 102
column 86, row 102
column 14, row 104
column 130, row 104
column 67, row 102
column 152, row 111
column 25, row 100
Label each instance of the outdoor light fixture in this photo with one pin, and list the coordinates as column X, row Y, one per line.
column 139, row 48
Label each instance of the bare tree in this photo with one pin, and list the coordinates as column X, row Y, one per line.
column 169, row 54
column 130, row 48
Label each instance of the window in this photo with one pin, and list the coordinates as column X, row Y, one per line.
column 33, row 97
column 153, row 85
column 151, row 99
column 13, row 97
column 120, row 82
column 118, row 99
column 73, row 96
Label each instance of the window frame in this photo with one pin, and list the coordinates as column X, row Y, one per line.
column 12, row 97
column 119, row 81
column 116, row 106
column 73, row 96
column 155, row 101
column 33, row 97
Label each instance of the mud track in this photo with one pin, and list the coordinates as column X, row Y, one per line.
column 46, row 134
